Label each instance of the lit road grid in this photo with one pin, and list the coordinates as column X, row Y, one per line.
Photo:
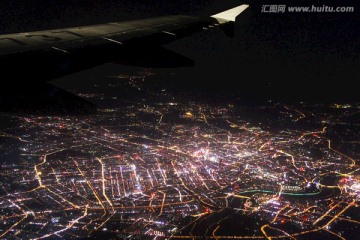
column 172, row 165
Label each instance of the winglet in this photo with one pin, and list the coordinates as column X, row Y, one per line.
column 229, row 15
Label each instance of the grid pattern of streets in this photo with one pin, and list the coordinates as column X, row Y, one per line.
column 180, row 168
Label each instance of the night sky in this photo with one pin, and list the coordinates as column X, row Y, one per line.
column 294, row 56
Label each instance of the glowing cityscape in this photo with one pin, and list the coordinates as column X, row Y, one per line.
column 173, row 166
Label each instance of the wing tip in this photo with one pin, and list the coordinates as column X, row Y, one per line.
column 230, row 14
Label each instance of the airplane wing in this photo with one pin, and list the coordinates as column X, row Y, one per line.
column 146, row 31
column 33, row 58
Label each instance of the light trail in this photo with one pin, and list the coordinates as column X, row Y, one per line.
column 162, row 203
column 162, row 172
column 289, row 155
column 117, row 185
column 57, row 201
column 282, row 231
column 147, row 206
column 213, row 233
column 199, row 176
column 281, row 190
column 103, row 223
column 327, row 213
column 264, row 232
column 56, row 176
column 353, row 162
column 311, row 133
column 264, row 145
column 277, row 214
column 234, row 125
column 335, row 234
column 193, row 227
column 150, row 203
column 187, row 225
column 180, row 195
column 188, row 189
column 76, row 189
column 62, row 198
column 204, row 117
column 302, row 115
column 70, row 225
column 150, row 178
column 18, row 222
column 122, row 180
column 14, row 225
column 103, row 182
column 304, row 211
column 237, row 196
column 4, row 135
column 91, row 187
column 341, row 212
column 111, row 184
column 32, row 190
column 161, row 116
column 37, row 172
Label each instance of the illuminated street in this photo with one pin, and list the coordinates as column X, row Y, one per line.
column 164, row 165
